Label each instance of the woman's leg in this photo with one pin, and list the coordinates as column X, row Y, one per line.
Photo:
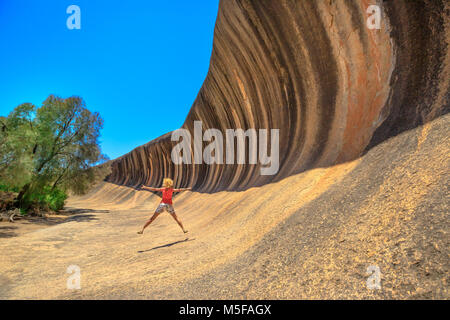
column 174, row 215
column 155, row 215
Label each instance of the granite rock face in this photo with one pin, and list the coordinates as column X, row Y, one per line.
column 314, row 70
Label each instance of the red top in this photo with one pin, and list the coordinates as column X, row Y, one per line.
column 167, row 195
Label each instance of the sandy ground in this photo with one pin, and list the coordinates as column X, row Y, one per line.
column 311, row 235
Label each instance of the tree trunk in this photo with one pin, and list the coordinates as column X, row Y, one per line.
column 23, row 191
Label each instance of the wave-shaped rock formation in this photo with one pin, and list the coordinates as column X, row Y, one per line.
column 316, row 71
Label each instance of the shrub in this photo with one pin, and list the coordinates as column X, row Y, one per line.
column 43, row 198
column 48, row 198
column 5, row 188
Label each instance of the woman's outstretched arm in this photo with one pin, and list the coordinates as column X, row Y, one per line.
column 150, row 188
column 182, row 189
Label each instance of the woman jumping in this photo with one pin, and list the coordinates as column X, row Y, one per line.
column 166, row 202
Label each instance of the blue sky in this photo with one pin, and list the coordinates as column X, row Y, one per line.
column 140, row 64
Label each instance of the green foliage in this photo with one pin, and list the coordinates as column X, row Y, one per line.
column 48, row 198
column 6, row 188
column 48, row 151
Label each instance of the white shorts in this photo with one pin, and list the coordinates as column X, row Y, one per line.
column 165, row 206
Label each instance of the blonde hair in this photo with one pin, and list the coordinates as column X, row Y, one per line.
column 167, row 183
